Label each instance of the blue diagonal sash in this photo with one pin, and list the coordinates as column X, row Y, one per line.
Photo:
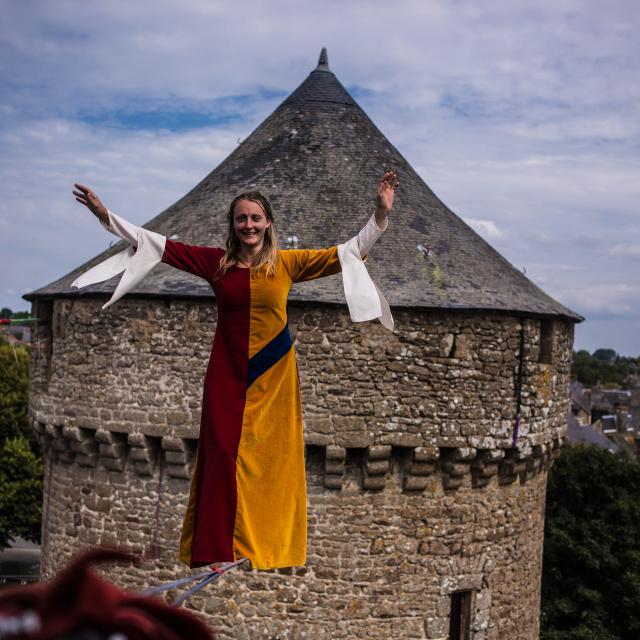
column 271, row 353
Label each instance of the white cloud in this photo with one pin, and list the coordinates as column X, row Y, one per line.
column 486, row 228
column 625, row 250
column 611, row 297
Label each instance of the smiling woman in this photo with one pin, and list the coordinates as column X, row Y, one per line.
column 251, row 239
column 248, row 493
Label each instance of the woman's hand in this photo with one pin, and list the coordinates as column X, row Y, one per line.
column 85, row 196
column 386, row 191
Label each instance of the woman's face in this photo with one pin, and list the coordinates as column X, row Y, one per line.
column 250, row 223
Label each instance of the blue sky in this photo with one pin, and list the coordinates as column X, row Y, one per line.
column 522, row 116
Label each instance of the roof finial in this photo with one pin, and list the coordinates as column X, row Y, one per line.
column 323, row 62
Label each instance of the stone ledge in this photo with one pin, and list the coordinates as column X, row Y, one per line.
column 377, row 465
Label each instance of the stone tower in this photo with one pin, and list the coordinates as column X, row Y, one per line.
column 423, row 515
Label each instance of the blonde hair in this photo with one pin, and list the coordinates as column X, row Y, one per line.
column 267, row 256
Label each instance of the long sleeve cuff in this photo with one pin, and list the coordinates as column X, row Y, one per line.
column 135, row 264
column 369, row 234
column 364, row 299
column 122, row 228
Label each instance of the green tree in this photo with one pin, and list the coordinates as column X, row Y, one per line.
column 591, row 572
column 605, row 355
column 585, row 369
column 20, row 460
column 14, row 391
column 20, row 491
column 604, row 367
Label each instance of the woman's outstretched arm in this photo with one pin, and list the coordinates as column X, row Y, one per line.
column 89, row 199
column 309, row 264
column 378, row 222
column 386, row 192
column 146, row 250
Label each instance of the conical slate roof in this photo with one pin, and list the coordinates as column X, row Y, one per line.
column 319, row 157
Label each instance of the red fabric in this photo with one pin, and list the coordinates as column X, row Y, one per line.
column 79, row 599
column 222, row 410
column 222, row 404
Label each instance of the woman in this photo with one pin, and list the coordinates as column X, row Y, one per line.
column 248, row 492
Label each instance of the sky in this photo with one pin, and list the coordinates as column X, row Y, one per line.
column 522, row 116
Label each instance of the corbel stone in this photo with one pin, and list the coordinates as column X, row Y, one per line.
column 60, row 447
column 112, row 449
column 423, row 464
column 38, row 429
column 334, row 466
column 554, row 451
column 535, row 462
column 485, row 466
column 177, row 457
column 83, row 444
column 455, row 464
column 52, row 431
column 538, row 451
column 511, row 467
column 143, row 452
column 376, row 467
column 528, row 472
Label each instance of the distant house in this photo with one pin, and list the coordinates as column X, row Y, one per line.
column 613, row 414
column 17, row 332
column 580, row 402
column 585, row 434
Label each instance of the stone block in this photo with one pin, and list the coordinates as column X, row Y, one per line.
column 336, row 453
column 169, row 443
column 176, row 457
column 113, row 450
column 103, row 436
column 144, row 468
column 88, row 447
column 377, row 467
column 415, row 483
column 334, row 466
column 113, row 464
column 379, row 452
column 87, row 459
column 73, row 434
column 140, row 454
column 422, row 468
column 179, row 471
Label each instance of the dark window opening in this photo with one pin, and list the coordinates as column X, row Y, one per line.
column 460, row 621
column 546, row 342
column 452, row 350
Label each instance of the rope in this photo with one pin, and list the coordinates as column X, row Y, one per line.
column 202, row 580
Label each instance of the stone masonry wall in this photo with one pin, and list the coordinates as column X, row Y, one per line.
column 441, row 380
column 414, row 488
column 381, row 563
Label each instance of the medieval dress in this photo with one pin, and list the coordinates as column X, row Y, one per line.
column 248, row 491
